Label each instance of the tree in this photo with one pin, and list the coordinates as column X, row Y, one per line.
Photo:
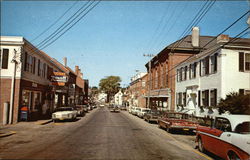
column 94, row 91
column 235, row 103
column 110, row 85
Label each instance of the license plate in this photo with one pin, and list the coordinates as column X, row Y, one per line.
column 185, row 129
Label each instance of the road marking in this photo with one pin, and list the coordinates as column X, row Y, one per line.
column 58, row 124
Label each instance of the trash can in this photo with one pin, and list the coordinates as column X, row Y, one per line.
column 24, row 113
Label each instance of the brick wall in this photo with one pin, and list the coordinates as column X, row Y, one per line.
column 5, row 90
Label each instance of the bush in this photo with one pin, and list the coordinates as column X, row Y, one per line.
column 235, row 103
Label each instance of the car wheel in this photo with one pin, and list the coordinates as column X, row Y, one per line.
column 233, row 156
column 200, row 145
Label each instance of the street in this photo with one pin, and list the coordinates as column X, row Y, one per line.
column 100, row 135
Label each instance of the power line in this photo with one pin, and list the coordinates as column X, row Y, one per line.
column 65, row 24
column 71, row 25
column 55, row 22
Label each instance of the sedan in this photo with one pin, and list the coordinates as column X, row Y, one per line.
column 152, row 116
column 174, row 121
column 228, row 137
column 64, row 113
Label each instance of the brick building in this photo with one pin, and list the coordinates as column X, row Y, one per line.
column 161, row 69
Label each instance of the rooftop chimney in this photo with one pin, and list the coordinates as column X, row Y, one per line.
column 76, row 69
column 222, row 38
column 65, row 61
column 195, row 36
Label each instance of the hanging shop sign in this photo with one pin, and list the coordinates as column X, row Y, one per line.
column 59, row 78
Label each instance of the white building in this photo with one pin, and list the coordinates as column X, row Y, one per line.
column 102, row 97
column 204, row 79
column 118, row 98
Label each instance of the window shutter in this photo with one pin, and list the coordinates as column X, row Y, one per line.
column 5, row 60
column 241, row 61
column 195, row 64
column 34, row 65
column 215, row 62
column 207, row 98
column 215, row 97
column 38, row 67
column 200, row 67
column 199, row 98
column 25, row 61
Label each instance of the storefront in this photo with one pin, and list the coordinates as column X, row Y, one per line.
column 34, row 96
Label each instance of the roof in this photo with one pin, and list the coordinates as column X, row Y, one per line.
column 236, row 119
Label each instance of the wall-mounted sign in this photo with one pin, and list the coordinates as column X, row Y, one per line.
column 60, row 78
column 34, row 85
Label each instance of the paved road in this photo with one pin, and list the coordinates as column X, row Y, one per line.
column 99, row 135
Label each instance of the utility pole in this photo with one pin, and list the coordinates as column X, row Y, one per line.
column 150, row 79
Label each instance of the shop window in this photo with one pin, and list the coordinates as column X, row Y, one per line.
column 5, row 59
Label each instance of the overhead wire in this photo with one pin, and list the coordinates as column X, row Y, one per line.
column 72, row 25
column 66, row 23
column 45, row 30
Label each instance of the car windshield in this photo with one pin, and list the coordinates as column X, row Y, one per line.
column 145, row 110
column 243, row 128
column 174, row 115
column 64, row 109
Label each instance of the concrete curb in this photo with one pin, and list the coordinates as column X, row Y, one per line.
column 7, row 134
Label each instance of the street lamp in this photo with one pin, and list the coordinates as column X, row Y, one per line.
column 149, row 84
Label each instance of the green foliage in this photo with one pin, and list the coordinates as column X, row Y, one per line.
column 94, row 90
column 235, row 103
column 110, row 85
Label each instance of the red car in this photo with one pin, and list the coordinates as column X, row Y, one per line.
column 228, row 137
column 177, row 121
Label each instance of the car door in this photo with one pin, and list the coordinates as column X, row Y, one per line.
column 220, row 136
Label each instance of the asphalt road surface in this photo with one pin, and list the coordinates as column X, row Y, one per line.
column 99, row 135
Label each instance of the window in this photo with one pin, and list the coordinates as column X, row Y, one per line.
column 247, row 62
column 185, row 73
column 156, row 79
column 5, row 59
column 213, row 97
column 223, row 125
column 179, row 95
column 213, row 64
column 244, row 61
column 205, row 98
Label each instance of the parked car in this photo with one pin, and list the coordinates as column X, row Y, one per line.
column 228, row 137
column 123, row 108
column 130, row 109
column 142, row 112
column 85, row 108
column 64, row 113
column 80, row 110
column 114, row 109
column 174, row 121
column 152, row 116
column 133, row 110
column 137, row 109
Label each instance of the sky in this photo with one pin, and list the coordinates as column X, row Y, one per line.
column 112, row 38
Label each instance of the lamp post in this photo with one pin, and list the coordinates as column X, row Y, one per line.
column 149, row 84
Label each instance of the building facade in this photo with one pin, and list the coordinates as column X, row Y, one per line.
column 204, row 79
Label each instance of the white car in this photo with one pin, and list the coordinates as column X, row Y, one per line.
column 64, row 113
column 142, row 112
column 228, row 137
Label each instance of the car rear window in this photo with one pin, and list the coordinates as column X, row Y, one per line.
column 243, row 128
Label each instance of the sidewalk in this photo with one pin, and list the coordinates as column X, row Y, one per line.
column 8, row 130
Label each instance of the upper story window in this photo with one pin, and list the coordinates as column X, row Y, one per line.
column 244, row 61
column 204, row 66
column 213, row 64
column 5, row 59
